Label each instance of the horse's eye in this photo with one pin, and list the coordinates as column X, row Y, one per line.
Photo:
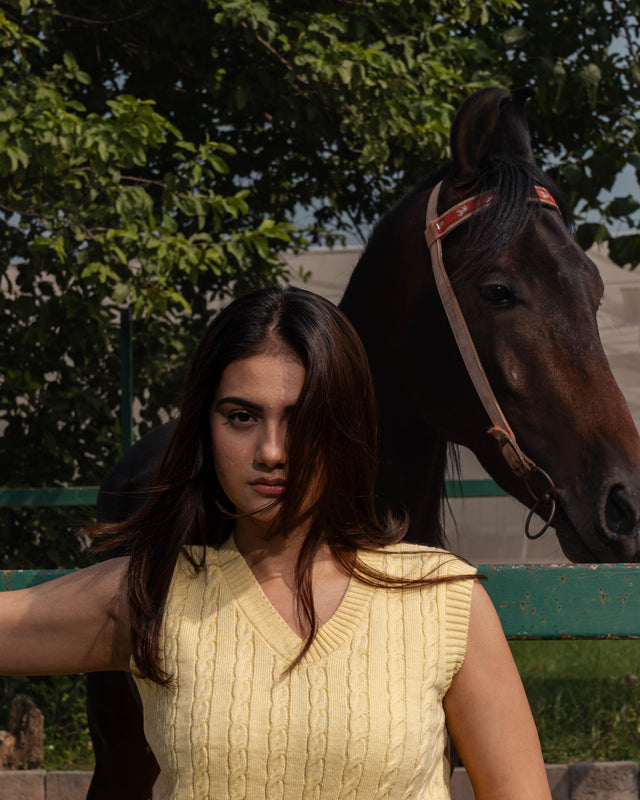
column 497, row 294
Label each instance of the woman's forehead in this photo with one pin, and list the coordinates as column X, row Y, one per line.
column 265, row 379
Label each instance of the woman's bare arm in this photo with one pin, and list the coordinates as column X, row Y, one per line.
column 76, row 623
column 488, row 715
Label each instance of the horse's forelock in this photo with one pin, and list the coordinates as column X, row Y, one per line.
column 495, row 229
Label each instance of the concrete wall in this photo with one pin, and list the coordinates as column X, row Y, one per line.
column 604, row 780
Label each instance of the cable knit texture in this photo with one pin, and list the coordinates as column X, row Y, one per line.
column 360, row 718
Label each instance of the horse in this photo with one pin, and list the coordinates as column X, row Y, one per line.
column 563, row 443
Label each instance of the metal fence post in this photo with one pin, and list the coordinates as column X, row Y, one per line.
column 126, row 378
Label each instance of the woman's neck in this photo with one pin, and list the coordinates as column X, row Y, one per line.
column 274, row 561
column 269, row 557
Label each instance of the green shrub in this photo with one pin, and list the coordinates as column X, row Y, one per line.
column 62, row 701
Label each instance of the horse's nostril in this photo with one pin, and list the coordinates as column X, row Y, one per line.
column 619, row 516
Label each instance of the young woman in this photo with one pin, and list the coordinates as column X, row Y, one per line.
column 285, row 643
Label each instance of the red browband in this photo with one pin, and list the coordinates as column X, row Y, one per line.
column 445, row 223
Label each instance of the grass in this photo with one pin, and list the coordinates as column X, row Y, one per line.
column 585, row 698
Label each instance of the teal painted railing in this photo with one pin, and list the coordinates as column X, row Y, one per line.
column 534, row 601
column 52, row 496
column 86, row 495
column 24, row 578
column 566, row 601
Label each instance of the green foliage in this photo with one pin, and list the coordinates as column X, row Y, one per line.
column 62, row 702
column 331, row 108
column 100, row 208
column 583, row 57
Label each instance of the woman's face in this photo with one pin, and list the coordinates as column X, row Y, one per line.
column 248, row 423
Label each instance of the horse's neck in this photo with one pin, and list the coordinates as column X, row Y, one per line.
column 380, row 299
column 381, row 302
column 411, row 477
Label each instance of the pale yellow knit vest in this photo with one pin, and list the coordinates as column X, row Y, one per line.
column 360, row 718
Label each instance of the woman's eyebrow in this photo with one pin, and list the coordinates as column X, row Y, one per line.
column 239, row 401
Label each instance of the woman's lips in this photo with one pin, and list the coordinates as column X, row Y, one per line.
column 268, row 488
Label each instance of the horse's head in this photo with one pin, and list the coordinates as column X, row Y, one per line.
column 529, row 295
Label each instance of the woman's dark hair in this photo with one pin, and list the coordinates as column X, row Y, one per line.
column 331, row 445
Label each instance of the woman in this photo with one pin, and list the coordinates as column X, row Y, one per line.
column 283, row 642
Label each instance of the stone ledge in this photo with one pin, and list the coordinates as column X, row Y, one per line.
column 67, row 785
column 38, row 784
column 597, row 780
column 27, row 785
column 594, row 780
column 615, row 780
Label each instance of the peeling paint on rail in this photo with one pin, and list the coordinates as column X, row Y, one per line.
column 566, row 601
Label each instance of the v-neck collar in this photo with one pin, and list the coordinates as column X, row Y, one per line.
column 271, row 627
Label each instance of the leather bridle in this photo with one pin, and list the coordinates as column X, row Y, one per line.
column 437, row 227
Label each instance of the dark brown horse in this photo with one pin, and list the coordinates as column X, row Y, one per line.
column 529, row 296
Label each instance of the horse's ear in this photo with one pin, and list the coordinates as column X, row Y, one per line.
column 489, row 122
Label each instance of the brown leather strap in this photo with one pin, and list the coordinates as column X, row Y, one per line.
column 436, row 228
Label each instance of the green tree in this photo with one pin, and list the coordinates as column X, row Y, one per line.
column 338, row 107
column 584, row 59
column 90, row 223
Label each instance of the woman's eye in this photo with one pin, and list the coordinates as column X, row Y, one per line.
column 240, row 417
column 497, row 294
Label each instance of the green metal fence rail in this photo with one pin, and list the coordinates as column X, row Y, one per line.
column 52, row 496
column 566, row 601
column 534, row 601
column 24, row 578
column 86, row 495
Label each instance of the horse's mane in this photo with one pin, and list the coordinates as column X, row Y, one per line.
column 383, row 231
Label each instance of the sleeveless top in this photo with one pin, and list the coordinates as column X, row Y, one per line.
column 359, row 718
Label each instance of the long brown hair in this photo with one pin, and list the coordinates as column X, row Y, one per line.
column 331, row 444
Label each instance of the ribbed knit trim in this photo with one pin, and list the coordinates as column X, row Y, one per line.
column 457, row 624
column 268, row 623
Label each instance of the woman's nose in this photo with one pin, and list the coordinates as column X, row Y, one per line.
column 271, row 447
